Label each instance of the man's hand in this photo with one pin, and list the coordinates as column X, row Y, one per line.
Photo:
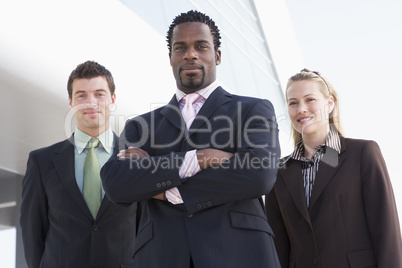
column 160, row 196
column 132, row 153
column 137, row 153
column 212, row 158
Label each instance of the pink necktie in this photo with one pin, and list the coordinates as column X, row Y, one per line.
column 188, row 112
column 188, row 109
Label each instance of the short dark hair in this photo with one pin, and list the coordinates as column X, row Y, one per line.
column 88, row 70
column 194, row 16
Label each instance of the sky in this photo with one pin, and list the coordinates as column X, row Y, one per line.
column 357, row 46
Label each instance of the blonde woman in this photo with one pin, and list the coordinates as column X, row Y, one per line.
column 332, row 205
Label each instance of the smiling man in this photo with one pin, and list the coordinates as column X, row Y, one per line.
column 199, row 165
column 66, row 219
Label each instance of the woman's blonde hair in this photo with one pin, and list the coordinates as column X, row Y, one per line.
column 327, row 89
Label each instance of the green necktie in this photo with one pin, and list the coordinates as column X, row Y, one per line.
column 92, row 182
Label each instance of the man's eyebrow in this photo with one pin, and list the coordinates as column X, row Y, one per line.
column 79, row 92
column 178, row 43
column 83, row 91
column 183, row 43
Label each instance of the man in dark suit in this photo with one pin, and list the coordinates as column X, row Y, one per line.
column 199, row 180
column 62, row 225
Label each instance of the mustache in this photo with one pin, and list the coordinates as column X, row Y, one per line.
column 190, row 66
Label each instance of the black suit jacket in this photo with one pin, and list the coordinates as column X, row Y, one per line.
column 352, row 220
column 222, row 222
column 58, row 229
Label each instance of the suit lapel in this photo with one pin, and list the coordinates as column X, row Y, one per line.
column 291, row 174
column 214, row 101
column 172, row 113
column 64, row 163
column 329, row 165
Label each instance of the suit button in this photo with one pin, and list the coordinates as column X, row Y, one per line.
column 168, row 183
column 189, row 215
column 315, row 260
column 163, row 184
column 204, row 205
column 95, row 229
column 158, row 185
column 199, row 206
column 209, row 203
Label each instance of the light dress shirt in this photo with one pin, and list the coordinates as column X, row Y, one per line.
column 310, row 166
column 103, row 151
column 190, row 165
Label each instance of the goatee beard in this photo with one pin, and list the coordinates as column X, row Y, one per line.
column 192, row 85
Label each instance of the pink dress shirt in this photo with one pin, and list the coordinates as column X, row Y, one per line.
column 190, row 165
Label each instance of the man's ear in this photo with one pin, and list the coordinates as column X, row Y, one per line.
column 113, row 98
column 218, row 56
column 70, row 102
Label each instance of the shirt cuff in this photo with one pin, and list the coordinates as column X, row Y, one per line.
column 188, row 168
column 173, row 196
column 190, row 165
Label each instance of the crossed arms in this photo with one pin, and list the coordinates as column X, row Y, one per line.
column 243, row 171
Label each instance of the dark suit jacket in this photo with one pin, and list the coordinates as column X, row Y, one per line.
column 222, row 222
column 58, row 229
column 352, row 220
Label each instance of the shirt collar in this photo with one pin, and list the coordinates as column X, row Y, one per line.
column 205, row 92
column 333, row 141
column 105, row 139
